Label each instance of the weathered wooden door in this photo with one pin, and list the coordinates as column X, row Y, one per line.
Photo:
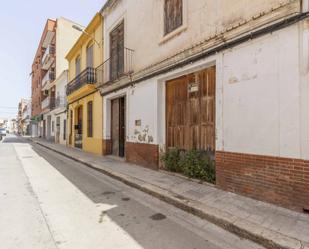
column 44, row 128
column 79, row 128
column 118, row 127
column 122, row 126
column 57, row 139
column 117, row 52
column 190, row 111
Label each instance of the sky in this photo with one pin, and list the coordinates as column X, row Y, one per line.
column 21, row 26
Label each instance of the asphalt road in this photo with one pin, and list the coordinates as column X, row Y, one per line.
column 83, row 208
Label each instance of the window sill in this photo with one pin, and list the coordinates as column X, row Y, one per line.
column 174, row 33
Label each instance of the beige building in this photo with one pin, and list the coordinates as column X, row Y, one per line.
column 226, row 77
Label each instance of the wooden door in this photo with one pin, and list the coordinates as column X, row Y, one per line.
column 57, row 130
column 118, row 127
column 115, row 127
column 190, row 111
column 122, row 126
column 117, row 52
column 79, row 128
column 44, row 128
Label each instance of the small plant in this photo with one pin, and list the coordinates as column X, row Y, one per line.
column 193, row 164
column 171, row 160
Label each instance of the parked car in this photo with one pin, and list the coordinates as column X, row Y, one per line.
column 2, row 132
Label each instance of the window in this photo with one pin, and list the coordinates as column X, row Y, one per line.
column 173, row 15
column 89, row 52
column 89, row 119
column 117, row 52
column 77, row 66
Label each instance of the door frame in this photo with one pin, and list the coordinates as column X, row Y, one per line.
column 76, row 123
column 212, row 153
column 121, row 153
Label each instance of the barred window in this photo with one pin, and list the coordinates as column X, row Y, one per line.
column 89, row 119
column 172, row 15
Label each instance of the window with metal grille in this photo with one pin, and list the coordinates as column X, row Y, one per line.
column 89, row 119
column 173, row 15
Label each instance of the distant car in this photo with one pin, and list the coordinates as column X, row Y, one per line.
column 2, row 132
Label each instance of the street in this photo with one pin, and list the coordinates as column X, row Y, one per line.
column 49, row 201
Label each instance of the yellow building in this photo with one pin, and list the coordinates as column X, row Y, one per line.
column 84, row 100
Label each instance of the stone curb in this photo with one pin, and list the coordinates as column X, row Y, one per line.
column 241, row 227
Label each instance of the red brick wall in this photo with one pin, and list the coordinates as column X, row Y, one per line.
column 146, row 155
column 281, row 181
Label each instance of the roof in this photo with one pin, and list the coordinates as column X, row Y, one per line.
column 108, row 4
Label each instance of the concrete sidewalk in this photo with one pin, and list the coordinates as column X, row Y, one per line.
column 269, row 225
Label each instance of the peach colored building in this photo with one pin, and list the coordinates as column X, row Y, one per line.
column 37, row 75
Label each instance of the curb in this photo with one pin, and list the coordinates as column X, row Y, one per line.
column 241, row 227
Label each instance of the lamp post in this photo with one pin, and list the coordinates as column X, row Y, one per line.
column 86, row 33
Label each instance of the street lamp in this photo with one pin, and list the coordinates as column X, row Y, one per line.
column 86, row 33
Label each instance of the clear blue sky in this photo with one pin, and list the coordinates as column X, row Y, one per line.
column 21, row 26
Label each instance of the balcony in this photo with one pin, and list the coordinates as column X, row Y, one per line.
column 49, row 77
column 48, row 57
column 61, row 102
column 86, row 77
column 115, row 68
column 48, row 103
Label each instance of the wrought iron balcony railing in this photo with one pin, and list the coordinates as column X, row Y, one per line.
column 48, row 103
column 47, row 57
column 86, row 77
column 115, row 67
column 49, row 77
column 61, row 101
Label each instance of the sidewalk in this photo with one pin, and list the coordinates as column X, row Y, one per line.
column 269, row 225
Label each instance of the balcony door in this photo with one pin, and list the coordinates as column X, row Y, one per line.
column 89, row 55
column 77, row 66
column 117, row 52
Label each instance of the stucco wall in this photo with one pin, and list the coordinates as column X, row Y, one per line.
column 97, row 51
column 202, row 19
column 262, row 97
column 66, row 36
column 90, row 144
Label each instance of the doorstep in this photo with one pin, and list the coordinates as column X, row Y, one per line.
column 263, row 223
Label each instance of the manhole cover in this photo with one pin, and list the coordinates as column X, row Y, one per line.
column 158, row 216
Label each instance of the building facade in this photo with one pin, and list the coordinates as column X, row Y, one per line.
column 83, row 98
column 228, row 78
column 37, row 75
column 57, row 38
column 59, row 112
column 23, row 117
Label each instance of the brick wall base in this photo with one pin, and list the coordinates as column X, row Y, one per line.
column 146, row 155
column 281, row 181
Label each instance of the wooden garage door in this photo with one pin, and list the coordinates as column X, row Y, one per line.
column 190, row 111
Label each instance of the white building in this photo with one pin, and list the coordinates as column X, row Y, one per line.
column 229, row 77
column 59, row 114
